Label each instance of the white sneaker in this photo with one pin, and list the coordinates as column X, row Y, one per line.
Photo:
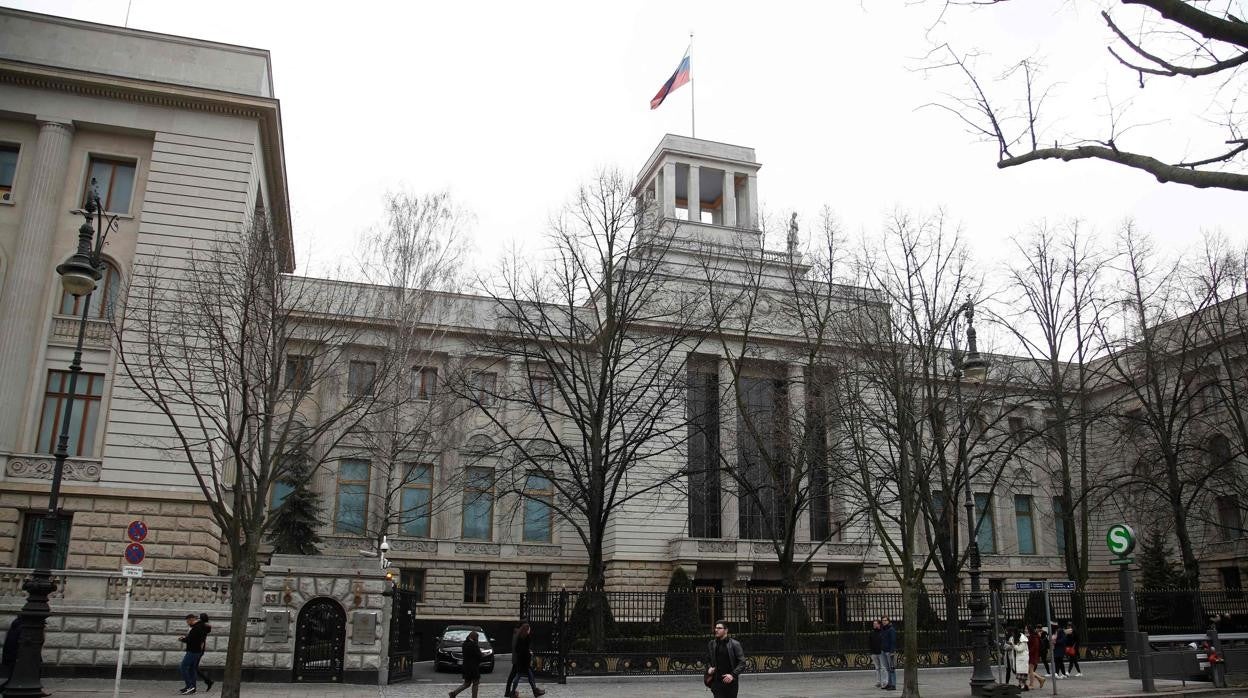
column 1078, row 673
column 1047, row 674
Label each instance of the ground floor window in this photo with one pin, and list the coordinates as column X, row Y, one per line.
column 476, row 587
column 32, row 527
column 413, row 580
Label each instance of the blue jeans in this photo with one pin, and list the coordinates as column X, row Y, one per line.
column 190, row 666
column 890, row 659
column 518, row 674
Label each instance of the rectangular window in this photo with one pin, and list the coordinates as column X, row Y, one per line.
column 415, row 498
column 1232, row 582
column 485, row 386
column 413, row 580
column 424, row 382
column 476, row 587
column 986, row 537
column 32, row 527
column 938, row 505
column 543, row 390
column 8, row 170
column 703, row 454
column 351, row 507
column 1230, row 519
column 1059, row 521
column 478, row 518
column 278, row 494
column 537, row 582
column 538, row 494
column 88, row 393
column 1025, row 525
column 1053, row 434
column 361, row 378
column 298, row 372
column 114, row 179
column 1017, row 427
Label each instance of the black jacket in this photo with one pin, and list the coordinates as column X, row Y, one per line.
column 875, row 641
column 195, row 640
column 472, row 656
column 521, row 654
column 736, row 655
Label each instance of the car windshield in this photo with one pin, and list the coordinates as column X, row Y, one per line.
column 459, row 635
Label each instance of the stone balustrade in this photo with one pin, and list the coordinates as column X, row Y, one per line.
column 89, row 586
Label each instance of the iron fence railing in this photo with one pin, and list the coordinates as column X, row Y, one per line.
column 578, row 632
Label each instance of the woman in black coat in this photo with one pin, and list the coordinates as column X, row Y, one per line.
column 521, row 664
column 472, row 665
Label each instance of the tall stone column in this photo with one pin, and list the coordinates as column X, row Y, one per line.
column 729, row 202
column 693, row 189
column 669, row 189
column 729, row 526
column 797, row 430
column 751, row 203
column 29, row 275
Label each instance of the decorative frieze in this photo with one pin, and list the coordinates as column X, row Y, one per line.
column 717, row 546
column 539, row 550
column 41, row 467
column 477, row 548
column 414, row 546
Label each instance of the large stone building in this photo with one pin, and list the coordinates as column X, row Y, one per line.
column 184, row 138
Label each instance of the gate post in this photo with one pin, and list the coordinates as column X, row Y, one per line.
column 388, row 612
column 1130, row 619
column 560, row 646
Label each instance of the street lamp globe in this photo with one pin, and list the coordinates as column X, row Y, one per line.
column 78, row 275
column 975, row 369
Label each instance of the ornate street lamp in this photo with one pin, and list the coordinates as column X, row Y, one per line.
column 79, row 276
column 973, row 369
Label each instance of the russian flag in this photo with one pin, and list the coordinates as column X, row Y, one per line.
column 680, row 77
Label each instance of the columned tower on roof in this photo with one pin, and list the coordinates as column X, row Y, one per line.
column 715, row 184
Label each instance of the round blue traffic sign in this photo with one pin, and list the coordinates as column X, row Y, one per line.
column 136, row 531
column 134, row 553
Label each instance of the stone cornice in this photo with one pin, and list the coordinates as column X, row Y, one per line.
column 266, row 111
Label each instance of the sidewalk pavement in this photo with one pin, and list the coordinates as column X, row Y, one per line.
column 1099, row 679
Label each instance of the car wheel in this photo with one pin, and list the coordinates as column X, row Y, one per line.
column 487, row 670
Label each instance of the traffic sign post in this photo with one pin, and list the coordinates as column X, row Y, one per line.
column 137, row 532
column 1120, row 538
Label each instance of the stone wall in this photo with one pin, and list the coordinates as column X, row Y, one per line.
column 183, row 538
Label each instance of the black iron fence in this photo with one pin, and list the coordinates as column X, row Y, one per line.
column 586, row 633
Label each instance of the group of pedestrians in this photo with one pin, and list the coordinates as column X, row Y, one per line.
column 1029, row 648
column 882, row 644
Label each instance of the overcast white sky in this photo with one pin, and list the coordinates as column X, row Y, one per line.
column 510, row 105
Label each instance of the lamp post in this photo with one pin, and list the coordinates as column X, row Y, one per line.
column 79, row 276
column 973, row 369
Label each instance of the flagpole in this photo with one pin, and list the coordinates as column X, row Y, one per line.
column 693, row 114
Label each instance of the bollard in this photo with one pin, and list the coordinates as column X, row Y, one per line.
column 1144, row 660
column 1217, row 669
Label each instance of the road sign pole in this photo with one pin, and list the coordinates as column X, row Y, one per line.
column 121, row 645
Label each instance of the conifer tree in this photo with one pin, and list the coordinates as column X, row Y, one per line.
column 1158, row 569
column 298, row 518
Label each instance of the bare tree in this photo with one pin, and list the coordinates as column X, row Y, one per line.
column 1153, row 39
column 244, row 364
column 595, row 349
column 416, row 256
column 1161, row 366
column 779, row 394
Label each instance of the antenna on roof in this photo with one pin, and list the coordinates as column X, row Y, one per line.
column 128, row 4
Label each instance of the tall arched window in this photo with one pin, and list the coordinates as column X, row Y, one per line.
column 103, row 299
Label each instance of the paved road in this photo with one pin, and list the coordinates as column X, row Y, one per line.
column 1100, row 679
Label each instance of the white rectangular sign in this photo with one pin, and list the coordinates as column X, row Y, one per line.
column 131, row 571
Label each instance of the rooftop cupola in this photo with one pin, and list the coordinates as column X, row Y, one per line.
column 702, row 182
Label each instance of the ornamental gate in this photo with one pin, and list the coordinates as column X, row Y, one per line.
column 320, row 638
column 403, row 635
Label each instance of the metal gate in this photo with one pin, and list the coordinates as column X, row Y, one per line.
column 320, row 638
column 403, row 634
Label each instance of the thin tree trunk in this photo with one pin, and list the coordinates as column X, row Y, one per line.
column 910, row 640
column 241, row 581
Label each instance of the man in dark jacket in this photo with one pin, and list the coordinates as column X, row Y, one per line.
column 875, row 646
column 196, row 641
column 888, row 649
column 727, row 661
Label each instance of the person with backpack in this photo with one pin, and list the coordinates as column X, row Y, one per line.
column 196, row 641
column 1045, row 648
column 1059, row 653
column 726, row 662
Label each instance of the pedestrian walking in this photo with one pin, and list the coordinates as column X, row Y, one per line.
column 471, row 664
column 888, row 650
column 521, row 663
column 1072, row 651
column 726, row 662
column 1044, row 650
column 1018, row 657
column 1059, row 652
column 1033, row 656
column 12, row 639
column 874, row 644
column 196, row 641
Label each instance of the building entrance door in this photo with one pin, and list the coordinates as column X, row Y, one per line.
column 320, row 638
